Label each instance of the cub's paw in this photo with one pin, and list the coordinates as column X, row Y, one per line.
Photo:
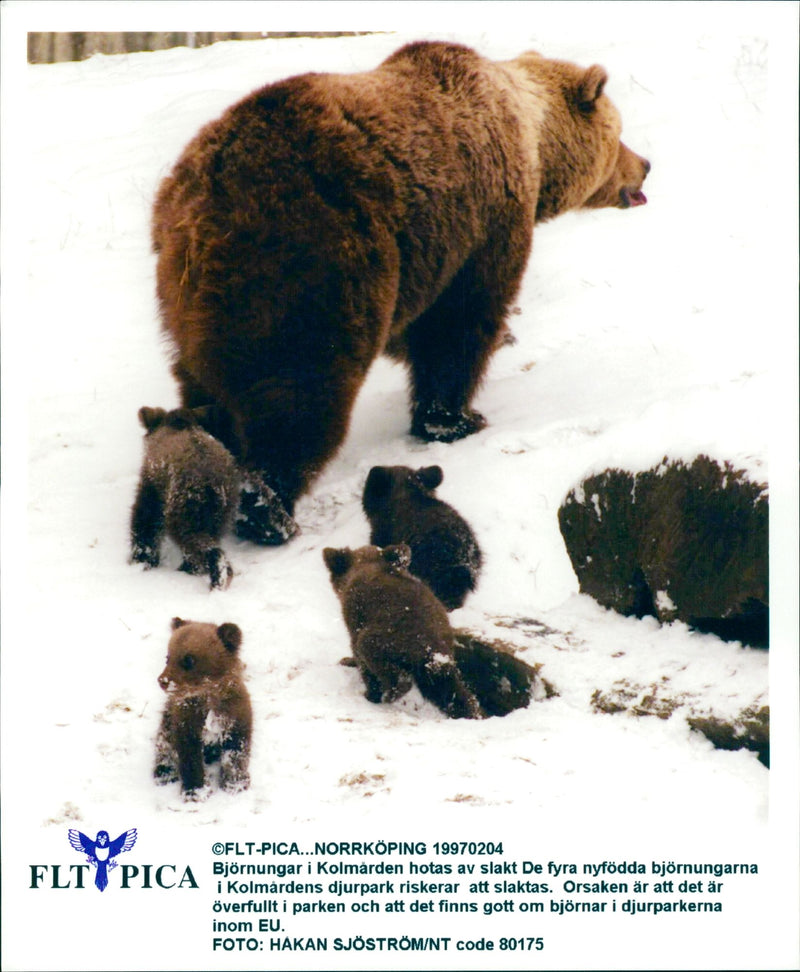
column 165, row 773
column 219, row 569
column 147, row 556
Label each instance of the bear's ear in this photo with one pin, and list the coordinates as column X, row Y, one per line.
column 378, row 484
column 397, row 555
column 430, row 476
column 230, row 635
column 337, row 561
column 590, row 87
column 178, row 623
column 180, row 418
column 151, row 418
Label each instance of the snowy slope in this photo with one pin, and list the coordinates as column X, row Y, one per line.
column 640, row 334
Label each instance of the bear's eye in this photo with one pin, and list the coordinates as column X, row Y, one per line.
column 188, row 662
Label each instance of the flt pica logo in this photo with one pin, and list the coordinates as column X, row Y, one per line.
column 101, row 854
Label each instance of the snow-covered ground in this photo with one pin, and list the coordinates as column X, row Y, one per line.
column 667, row 330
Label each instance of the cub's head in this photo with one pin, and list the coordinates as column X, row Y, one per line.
column 343, row 564
column 176, row 419
column 207, row 417
column 199, row 654
column 387, row 485
column 583, row 162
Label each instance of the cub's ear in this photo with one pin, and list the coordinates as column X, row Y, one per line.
column 430, row 476
column 337, row 561
column 178, row 623
column 230, row 635
column 151, row 418
column 180, row 418
column 398, row 555
column 378, row 484
column 590, row 87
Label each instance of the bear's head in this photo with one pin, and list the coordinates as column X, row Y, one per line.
column 176, row 419
column 583, row 162
column 388, row 484
column 199, row 654
column 343, row 563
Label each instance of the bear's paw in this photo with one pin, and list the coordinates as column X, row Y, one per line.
column 439, row 425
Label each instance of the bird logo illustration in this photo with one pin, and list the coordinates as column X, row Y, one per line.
column 101, row 852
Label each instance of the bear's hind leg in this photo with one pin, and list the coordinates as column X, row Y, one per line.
column 219, row 569
column 202, row 559
column 373, row 692
column 441, row 683
column 292, row 425
column 196, row 523
column 384, row 679
column 147, row 525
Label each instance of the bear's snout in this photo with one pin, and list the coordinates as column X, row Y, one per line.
column 164, row 681
column 623, row 188
column 635, row 169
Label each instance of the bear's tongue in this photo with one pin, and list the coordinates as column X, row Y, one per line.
column 637, row 198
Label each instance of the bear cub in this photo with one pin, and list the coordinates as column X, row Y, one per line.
column 189, row 488
column 401, row 508
column 399, row 630
column 207, row 717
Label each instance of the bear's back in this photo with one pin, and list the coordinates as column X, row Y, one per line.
column 419, row 154
column 178, row 458
column 393, row 601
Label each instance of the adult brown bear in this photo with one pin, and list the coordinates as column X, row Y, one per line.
column 328, row 218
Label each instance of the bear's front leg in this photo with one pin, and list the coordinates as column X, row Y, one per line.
column 190, row 766
column 436, row 423
column 187, row 718
column 447, row 356
column 262, row 518
column 448, row 347
column 166, row 764
column 233, row 768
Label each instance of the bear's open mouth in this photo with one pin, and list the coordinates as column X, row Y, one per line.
column 632, row 197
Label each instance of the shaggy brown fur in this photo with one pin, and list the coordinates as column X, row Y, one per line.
column 325, row 219
column 188, row 488
column 399, row 631
column 401, row 508
column 207, row 717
